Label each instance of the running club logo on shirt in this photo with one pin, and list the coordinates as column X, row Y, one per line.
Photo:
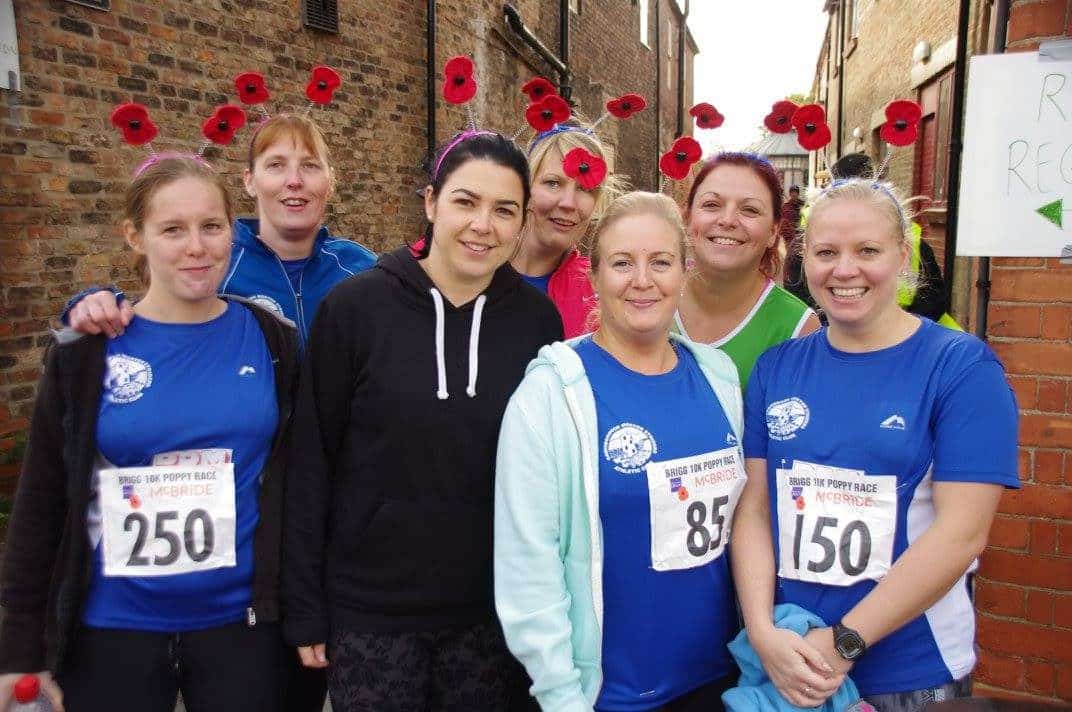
column 630, row 447
column 126, row 378
column 786, row 417
column 266, row 302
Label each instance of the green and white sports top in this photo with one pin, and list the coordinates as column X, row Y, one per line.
column 776, row 317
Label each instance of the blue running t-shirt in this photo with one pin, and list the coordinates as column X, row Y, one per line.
column 664, row 631
column 541, row 283
column 206, row 391
column 853, row 444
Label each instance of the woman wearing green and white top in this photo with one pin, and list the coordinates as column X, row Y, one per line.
column 731, row 300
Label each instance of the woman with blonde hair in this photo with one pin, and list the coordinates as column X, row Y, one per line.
column 877, row 450
column 617, row 475
column 562, row 213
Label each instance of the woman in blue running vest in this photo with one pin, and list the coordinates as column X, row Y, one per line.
column 144, row 550
column 877, row 450
column 617, row 475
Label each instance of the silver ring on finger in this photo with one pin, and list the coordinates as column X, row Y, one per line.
column 807, row 690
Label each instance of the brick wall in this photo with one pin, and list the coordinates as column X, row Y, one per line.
column 63, row 169
column 1025, row 583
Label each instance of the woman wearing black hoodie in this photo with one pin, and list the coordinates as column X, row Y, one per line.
column 387, row 562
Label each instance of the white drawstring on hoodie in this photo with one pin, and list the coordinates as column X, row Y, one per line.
column 474, row 344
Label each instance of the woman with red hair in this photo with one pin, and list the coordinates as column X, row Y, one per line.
column 731, row 300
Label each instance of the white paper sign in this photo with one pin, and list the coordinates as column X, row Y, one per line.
column 1016, row 179
column 9, row 46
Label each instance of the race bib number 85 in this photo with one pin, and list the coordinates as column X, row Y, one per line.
column 165, row 520
column 835, row 525
column 692, row 502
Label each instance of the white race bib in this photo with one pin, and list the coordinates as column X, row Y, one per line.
column 692, row 502
column 165, row 520
column 835, row 525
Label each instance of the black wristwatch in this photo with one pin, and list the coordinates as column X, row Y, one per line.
column 848, row 643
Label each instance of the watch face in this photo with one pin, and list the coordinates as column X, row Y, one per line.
column 849, row 645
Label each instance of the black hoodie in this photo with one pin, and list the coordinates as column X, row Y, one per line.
column 389, row 495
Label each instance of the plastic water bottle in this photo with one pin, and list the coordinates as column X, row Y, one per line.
column 28, row 697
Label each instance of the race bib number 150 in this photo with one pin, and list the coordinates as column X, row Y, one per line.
column 165, row 520
column 835, row 525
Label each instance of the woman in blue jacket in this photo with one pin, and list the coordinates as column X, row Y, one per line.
column 619, row 467
column 285, row 259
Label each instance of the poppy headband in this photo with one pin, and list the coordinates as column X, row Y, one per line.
column 137, row 129
column 558, row 129
column 468, row 133
column 155, row 158
column 875, row 185
column 676, row 163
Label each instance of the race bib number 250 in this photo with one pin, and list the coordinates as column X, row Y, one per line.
column 835, row 525
column 165, row 520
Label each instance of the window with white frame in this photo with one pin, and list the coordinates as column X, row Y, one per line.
column 644, row 39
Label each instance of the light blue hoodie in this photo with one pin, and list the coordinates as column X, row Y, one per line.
column 548, row 535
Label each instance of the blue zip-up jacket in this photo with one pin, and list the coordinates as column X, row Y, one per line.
column 756, row 693
column 548, row 537
column 257, row 273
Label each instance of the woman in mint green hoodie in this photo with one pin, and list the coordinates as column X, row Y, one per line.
column 617, row 476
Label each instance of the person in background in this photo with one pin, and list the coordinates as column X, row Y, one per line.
column 877, row 450
column 562, row 213
column 387, row 559
column 731, row 300
column 143, row 554
column 616, row 479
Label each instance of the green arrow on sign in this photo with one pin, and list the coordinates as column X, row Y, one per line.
column 1054, row 212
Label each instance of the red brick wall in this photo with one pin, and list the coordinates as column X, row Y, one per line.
column 63, row 169
column 1025, row 582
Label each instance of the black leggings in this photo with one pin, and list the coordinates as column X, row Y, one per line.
column 224, row 669
column 454, row 670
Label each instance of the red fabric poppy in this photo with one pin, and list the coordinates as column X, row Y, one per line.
column 780, row 118
column 587, row 169
column 676, row 162
column 225, row 121
column 322, row 84
column 902, row 123
column 545, row 113
column 134, row 122
column 458, row 83
column 250, row 88
column 707, row 116
column 537, row 88
column 626, row 105
column 810, row 123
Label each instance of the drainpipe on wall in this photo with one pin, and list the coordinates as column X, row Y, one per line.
column 956, row 148
column 840, row 76
column 681, row 35
column 658, row 89
column 430, row 70
column 982, row 285
column 561, row 65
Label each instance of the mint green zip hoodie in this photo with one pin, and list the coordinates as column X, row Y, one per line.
column 548, row 536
